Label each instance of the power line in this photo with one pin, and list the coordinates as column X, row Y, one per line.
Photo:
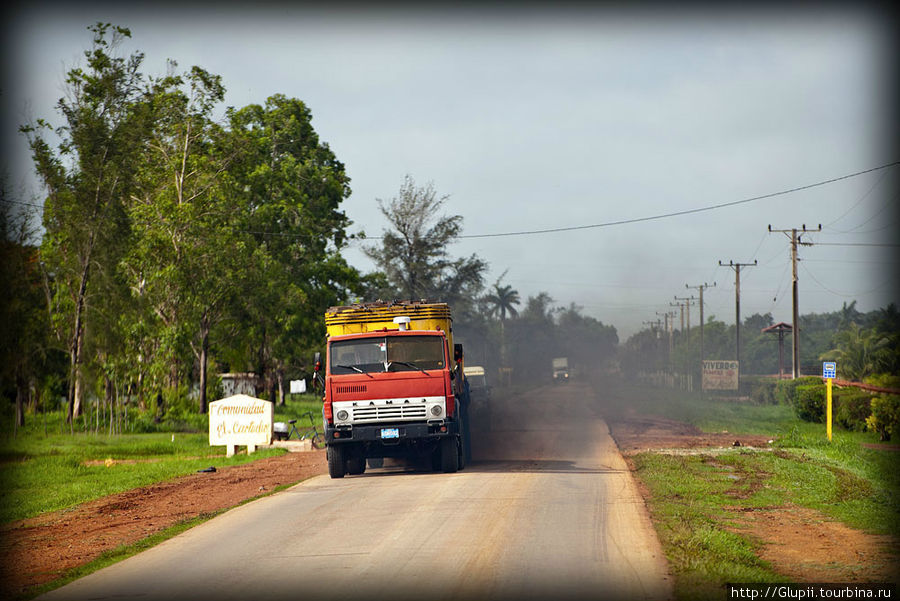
column 842, row 294
column 676, row 213
column 888, row 244
column 858, row 202
column 363, row 237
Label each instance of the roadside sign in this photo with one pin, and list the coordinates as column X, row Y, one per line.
column 829, row 373
column 719, row 375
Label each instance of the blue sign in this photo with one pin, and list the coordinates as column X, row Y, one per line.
column 829, row 369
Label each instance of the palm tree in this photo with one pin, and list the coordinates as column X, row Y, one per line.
column 859, row 352
column 502, row 303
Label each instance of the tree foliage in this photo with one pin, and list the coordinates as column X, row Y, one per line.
column 24, row 325
column 292, row 186
column 863, row 344
column 860, row 352
column 502, row 300
column 414, row 255
column 174, row 242
column 87, row 179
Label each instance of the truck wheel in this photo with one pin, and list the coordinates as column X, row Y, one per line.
column 449, row 455
column 356, row 462
column 335, row 456
column 436, row 459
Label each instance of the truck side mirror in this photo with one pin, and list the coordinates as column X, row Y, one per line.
column 457, row 352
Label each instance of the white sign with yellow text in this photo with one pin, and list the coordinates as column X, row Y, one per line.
column 720, row 375
column 240, row 420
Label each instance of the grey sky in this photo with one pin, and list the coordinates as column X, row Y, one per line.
column 534, row 120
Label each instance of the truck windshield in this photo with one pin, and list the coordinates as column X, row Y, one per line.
column 392, row 353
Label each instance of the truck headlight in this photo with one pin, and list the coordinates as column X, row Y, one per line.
column 342, row 414
column 436, row 410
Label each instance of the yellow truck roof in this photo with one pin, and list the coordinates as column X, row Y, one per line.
column 371, row 317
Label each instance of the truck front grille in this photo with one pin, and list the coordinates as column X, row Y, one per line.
column 380, row 413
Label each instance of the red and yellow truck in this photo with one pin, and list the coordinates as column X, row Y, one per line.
column 394, row 387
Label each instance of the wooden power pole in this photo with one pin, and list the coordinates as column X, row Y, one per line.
column 701, row 288
column 795, row 241
column 737, row 306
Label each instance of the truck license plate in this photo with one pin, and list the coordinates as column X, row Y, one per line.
column 390, row 432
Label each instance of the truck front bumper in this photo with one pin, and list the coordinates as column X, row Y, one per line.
column 406, row 433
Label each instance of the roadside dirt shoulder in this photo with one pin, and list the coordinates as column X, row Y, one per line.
column 41, row 549
column 800, row 543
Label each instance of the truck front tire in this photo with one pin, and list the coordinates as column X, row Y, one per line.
column 449, row 450
column 335, row 455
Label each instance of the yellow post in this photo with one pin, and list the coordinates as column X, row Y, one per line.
column 828, row 406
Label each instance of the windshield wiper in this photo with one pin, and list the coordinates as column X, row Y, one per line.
column 356, row 369
column 412, row 365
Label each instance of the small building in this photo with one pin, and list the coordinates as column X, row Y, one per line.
column 780, row 329
column 239, row 383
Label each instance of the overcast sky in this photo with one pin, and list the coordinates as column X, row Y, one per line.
column 533, row 120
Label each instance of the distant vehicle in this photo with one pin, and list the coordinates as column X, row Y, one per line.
column 560, row 370
column 478, row 386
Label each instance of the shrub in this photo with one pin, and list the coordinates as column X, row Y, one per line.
column 786, row 390
column 809, row 404
column 885, row 418
column 763, row 392
column 884, row 381
column 851, row 408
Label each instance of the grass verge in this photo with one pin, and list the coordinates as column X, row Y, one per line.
column 47, row 468
column 696, row 500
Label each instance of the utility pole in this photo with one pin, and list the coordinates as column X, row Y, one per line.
column 681, row 307
column 795, row 241
column 701, row 288
column 688, row 301
column 666, row 318
column 737, row 306
column 670, row 324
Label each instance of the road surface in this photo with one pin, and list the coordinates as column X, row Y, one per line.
column 547, row 510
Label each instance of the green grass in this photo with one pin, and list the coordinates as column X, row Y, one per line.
column 696, row 498
column 42, row 472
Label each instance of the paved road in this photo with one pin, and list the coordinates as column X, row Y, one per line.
column 547, row 510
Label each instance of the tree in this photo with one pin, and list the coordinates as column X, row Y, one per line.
column 858, row 351
column 187, row 255
column 587, row 342
column 86, row 179
column 23, row 315
column 413, row 253
column 532, row 338
column 502, row 300
column 291, row 185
